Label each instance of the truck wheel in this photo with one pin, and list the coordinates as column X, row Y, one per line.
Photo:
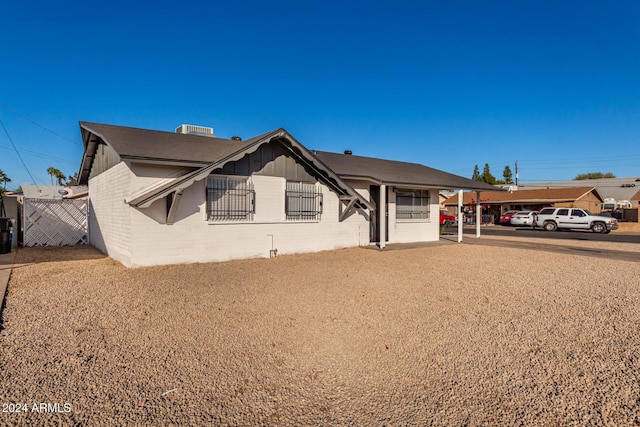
column 550, row 226
column 599, row 227
column 447, row 223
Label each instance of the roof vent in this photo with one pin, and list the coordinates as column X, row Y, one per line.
column 236, row 138
column 348, row 152
column 194, row 130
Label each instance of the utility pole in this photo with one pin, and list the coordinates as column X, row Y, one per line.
column 516, row 173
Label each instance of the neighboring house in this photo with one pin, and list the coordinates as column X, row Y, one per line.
column 608, row 188
column 54, row 192
column 48, row 192
column 162, row 198
column 442, row 197
column 495, row 203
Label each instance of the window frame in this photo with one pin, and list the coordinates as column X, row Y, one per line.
column 237, row 202
column 419, row 210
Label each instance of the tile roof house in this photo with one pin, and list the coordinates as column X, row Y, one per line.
column 162, row 198
column 581, row 197
column 614, row 188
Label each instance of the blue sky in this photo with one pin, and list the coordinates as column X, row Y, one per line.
column 554, row 85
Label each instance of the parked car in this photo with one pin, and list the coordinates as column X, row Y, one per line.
column 446, row 218
column 523, row 218
column 505, row 218
column 571, row 218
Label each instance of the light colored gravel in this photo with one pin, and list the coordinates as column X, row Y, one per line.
column 448, row 335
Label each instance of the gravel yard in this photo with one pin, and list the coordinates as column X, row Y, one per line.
column 445, row 335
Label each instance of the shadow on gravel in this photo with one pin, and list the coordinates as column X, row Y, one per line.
column 37, row 255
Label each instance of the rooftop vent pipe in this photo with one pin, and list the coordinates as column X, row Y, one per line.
column 236, row 138
column 348, row 152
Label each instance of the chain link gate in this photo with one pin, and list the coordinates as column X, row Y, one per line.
column 55, row 222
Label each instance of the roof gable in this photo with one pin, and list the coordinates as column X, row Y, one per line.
column 147, row 196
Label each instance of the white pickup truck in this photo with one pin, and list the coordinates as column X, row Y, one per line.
column 573, row 218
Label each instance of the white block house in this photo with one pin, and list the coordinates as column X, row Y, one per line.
column 164, row 198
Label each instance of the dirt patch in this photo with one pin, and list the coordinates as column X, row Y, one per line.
column 628, row 227
column 450, row 335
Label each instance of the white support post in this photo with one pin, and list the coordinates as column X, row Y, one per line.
column 460, row 216
column 478, row 214
column 382, row 218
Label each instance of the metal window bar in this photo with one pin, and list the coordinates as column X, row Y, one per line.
column 412, row 204
column 303, row 201
column 230, row 199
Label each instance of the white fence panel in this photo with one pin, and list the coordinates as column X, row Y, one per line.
column 55, row 222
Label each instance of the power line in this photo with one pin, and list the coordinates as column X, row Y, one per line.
column 6, row 107
column 40, row 155
column 18, row 153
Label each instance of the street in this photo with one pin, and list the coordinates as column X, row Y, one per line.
column 500, row 230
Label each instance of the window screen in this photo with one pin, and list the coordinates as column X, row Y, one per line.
column 412, row 204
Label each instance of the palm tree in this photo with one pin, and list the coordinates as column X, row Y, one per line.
column 57, row 174
column 61, row 178
column 72, row 179
column 4, row 179
column 51, row 171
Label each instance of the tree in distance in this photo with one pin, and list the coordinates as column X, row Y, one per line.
column 4, row 179
column 486, row 175
column 507, row 175
column 593, row 175
column 476, row 174
column 60, row 178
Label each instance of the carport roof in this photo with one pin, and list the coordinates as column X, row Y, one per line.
column 552, row 195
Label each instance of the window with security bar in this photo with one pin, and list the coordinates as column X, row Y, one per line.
column 230, row 199
column 303, row 201
column 412, row 204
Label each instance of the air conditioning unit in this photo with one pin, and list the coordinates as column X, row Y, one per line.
column 194, row 130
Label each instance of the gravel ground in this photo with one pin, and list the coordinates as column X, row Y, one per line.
column 447, row 335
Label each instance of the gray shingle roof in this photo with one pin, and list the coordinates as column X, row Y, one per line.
column 395, row 172
column 143, row 144
column 135, row 143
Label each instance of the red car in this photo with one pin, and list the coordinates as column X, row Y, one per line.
column 505, row 218
column 446, row 218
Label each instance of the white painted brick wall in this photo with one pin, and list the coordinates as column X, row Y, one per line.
column 109, row 220
column 193, row 239
column 140, row 237
column 414, row 231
